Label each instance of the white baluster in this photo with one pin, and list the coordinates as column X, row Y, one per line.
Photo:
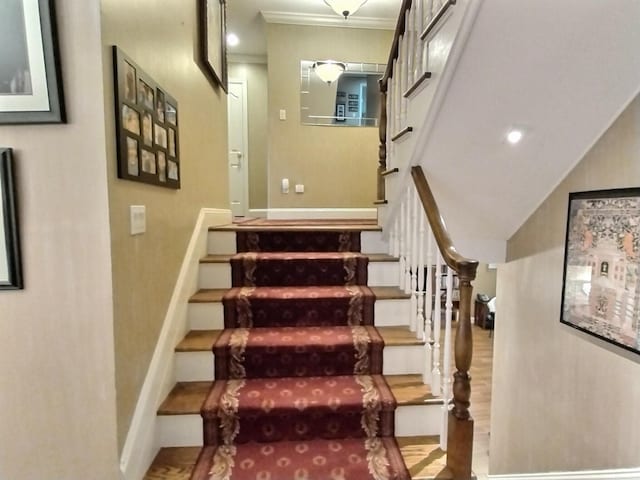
column 436, row 387
column 417, row 50
column 420, row 289
column 404, row 80
column 428, row 372
column 390, row 123
column 394, row 117
column 396, row 237
column 400, row 73
column 446, row 371
column 401, row 239
column 410, row 34
column 407, row 244
column 413, row 321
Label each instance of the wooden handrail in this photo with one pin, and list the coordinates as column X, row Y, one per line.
column 400, row 28
column 462, row 265
column 460, row 424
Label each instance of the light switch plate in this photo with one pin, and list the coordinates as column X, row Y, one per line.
column 299, row 188
column 137, row 219
column 283, row 114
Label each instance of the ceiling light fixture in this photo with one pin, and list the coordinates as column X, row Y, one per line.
column 514, row 136
column 329, row 70
column 232, row 39
column 345, row 7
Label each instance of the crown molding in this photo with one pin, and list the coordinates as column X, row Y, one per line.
column 328, row 20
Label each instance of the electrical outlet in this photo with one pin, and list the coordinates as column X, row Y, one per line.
column 138, row 219
column 283, row 114
column 299, row 188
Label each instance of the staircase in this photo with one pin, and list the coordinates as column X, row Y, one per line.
column 317, row 372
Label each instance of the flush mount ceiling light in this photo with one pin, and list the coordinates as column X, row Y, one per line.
column 345, row 7
column 329, row 70
column 232, row 39
column 514, row 136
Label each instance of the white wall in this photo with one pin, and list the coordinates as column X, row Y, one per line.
column 57, row 394
column 562, row 400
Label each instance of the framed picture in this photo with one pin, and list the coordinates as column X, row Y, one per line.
column 601, row 282
column 340, row 112
column 146, row 126
column 213, row 43
column 10, row 263
column 30, row 76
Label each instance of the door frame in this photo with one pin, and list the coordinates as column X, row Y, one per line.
column 245, row 146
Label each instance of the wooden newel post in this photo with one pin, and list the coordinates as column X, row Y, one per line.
column 382, row 149
column 460, row 435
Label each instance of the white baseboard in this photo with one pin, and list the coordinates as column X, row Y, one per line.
column 617, row 474
column 320, row 213
column 141, row 444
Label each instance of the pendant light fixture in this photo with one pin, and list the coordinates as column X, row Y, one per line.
column 329, row 70
column 345, row 7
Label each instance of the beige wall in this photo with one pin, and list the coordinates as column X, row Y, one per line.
column 163, row 42
column 57, row 387
column 337, row 165
column 255, row 74
column 562, row 400
column 485, row 281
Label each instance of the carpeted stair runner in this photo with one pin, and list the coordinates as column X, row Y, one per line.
column 275, row 269
column 299, row 392
column 248, row 307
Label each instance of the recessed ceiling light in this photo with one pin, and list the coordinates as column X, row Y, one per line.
column 232, row 39
column 514, row 136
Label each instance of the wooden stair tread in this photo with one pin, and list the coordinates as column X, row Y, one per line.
column 186, row 398
column 203, row 340
column 213, row 295
column 422, row 455
column 226, row 257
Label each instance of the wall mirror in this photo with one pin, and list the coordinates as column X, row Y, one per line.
column 351, row 101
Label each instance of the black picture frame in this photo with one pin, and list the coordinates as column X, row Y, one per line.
column 10, row 259
column 601, row 275
column 147, row 123
column 213, row 40
column 30, row 77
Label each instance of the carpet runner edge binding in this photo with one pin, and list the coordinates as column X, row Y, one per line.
column 299, row 395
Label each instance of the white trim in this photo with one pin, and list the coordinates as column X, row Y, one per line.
column 291, row 18
column 623, row 473
column 243, row 58
column 141, row 444
column 258, row 212
column 321, row 213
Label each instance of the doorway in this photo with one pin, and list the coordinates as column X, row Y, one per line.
column 238, row 154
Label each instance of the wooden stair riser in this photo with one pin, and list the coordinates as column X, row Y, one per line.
column 187, row 430
column 210, row 316
column 218, row 275
column 397, row 360
column 225, row 242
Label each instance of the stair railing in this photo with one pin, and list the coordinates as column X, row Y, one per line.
column 431, row 270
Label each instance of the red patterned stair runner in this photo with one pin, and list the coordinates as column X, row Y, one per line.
column 297, row 241
column 299, row 393
column 248, row 307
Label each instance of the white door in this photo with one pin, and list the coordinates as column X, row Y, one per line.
column 238, row 155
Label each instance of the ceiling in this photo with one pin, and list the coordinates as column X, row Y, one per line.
column 245, row 19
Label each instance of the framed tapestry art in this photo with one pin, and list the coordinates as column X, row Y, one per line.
column 213, row 42
column 601, row 288
column 30, row 77
column 146, row 126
